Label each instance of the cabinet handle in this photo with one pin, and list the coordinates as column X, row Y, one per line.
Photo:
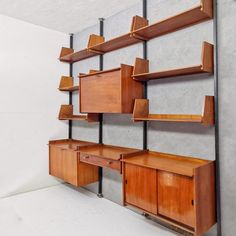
column 86, row 157
column 109, row 162
column 192, row 202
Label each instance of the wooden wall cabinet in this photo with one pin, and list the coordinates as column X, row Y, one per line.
column 175, row 189
column 64, row 163
column 111, row 91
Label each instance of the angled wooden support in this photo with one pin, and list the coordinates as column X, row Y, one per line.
column 67, row 84
column 141, row 113
column 65, row 52
column 207, row 57
column 138, row 22
column 93, row 41
column 207, row 7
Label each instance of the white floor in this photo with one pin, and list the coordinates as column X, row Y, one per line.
column 62, row 211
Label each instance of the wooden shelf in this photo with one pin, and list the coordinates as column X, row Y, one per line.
column 66, row 113
column 141, row 113
column 98, row 46
column 141, row 69
column 67, row 84
column 68, row 54
column 200, row 13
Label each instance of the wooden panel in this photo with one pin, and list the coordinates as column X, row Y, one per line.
column 98, row 161
column 55, row 161
column 131, row 89
column 69, row 167
column 101, row 93
column 204, row 180
column 176, row 198
column 141, row 187
column 167, row 162
column 87, row 174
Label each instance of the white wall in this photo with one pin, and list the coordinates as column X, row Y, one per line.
column 29, row 103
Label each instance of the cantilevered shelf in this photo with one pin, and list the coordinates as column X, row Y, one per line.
column 140, row 30
column 200, row 13
column 67, row 84
column 70, row 56
column 141, row 69
column 66, row 113
column 141, row 113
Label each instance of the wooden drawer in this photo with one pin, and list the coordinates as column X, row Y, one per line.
column 99, row 161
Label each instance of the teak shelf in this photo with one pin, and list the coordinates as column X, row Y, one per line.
column 141, row 113
column 66, row 113
column 176, row 189
column 141, row 68
column 200, row 13
column 140, row 31
column 67, row 84
column 110, row 91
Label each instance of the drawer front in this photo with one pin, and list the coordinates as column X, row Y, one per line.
column 98, row 161
column 101, row 93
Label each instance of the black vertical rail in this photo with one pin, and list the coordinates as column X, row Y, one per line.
column 145, row 126
column 216, row 91
column 70, row 93
column 100, row 170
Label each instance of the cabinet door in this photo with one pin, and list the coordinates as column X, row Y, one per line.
column 175, row 197
column 69, row 166
column 141, row 187
column 55, row 162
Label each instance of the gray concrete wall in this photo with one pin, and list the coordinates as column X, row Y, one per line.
column 176, row 95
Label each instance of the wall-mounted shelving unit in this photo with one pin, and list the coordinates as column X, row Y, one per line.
column 141, row 113
column 141, row 68
column 67, row 84
column 66, row 113
column 140, row 31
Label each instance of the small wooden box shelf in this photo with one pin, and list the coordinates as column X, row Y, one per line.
column 67, row 84
column 66, row 113
column 111, row 91
column 176, row 189
column 141, row 69
column 64, row 162
column 200, row 13
column 141, row 113
column 105, row 155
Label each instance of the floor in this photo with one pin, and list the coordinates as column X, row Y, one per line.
column 63, row 211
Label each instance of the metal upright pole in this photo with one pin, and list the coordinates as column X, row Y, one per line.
column 70, row 93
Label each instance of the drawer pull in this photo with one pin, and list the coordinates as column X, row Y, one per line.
column 86, row 157
column 109, row 162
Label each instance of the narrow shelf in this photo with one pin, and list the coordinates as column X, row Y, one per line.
column 98, row 46
column 166, row 162
column 141, row 113
column 66, row 113
column 70, row 56
column 67, row 84
column 200, row 13
column 141, row 69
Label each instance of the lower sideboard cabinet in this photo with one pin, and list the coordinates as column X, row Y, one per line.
column 178, row 190
column 64, row 163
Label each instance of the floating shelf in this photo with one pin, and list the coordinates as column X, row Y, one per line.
column 200, row 13
column 140, row 31
column 141, row 113
column 66, row 113
column 67, row 84
column 68, row 54
column 141, row 69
